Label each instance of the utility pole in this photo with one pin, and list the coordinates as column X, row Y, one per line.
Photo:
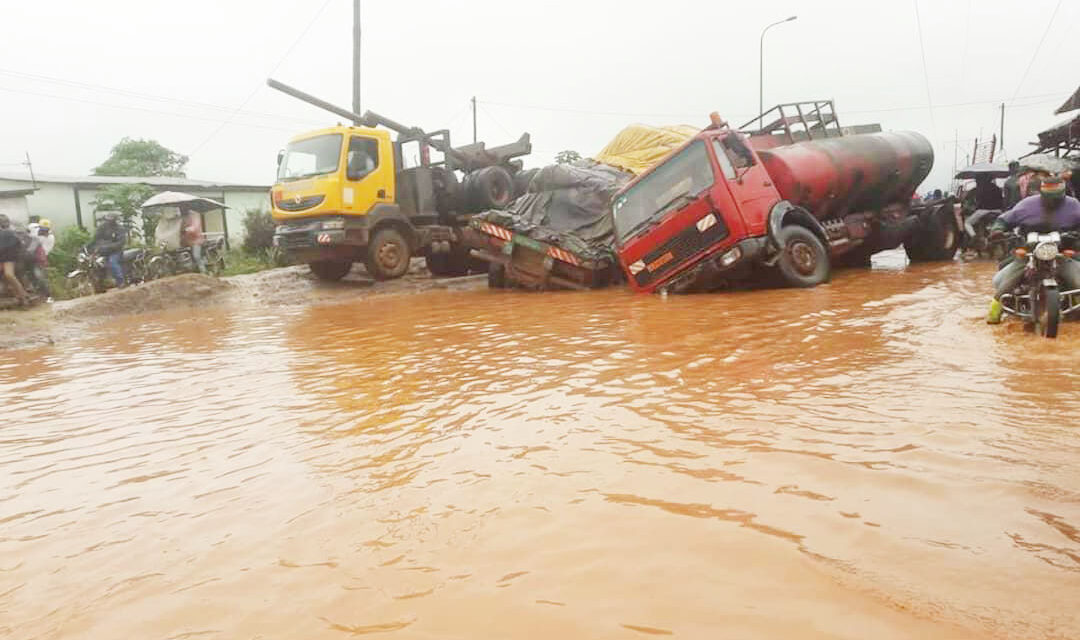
column 356, row 58
column 474, row 119
column 1001, row 138
column 30, row 166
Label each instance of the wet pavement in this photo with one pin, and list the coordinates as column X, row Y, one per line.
column 866, row 459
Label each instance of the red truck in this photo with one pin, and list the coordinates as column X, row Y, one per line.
column 730, row 207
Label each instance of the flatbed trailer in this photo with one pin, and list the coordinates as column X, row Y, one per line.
column 516, row 260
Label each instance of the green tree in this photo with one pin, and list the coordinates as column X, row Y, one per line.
column 258, row 230
column 140, row 157
column 126, row 200
column 568, row 156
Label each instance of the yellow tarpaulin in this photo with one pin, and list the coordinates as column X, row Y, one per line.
column 639, row 146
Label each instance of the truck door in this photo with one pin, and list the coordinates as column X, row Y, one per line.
column 752, row 188
column 369, row 173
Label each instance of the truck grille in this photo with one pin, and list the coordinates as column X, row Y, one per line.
column 295, row 240
column 671, row 254
column 299, row 204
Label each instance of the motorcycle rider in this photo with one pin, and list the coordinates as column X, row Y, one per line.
column 109, row 240
column 1049, row 211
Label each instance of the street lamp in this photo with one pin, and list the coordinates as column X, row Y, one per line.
column 761, row 68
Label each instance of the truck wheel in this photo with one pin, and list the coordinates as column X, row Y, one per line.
column 388, row 254
column 489, row 188
column 522, row 179
column 496, row 276
column 330, row 270
column 937, row 240
column 803, row 260
column 452, row 263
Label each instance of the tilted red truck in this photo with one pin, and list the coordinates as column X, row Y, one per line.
column 729, row 207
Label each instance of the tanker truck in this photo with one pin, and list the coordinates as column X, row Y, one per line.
column 735, row 206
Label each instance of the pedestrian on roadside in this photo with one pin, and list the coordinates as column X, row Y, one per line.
column 109, row 240
column 33, row 262
column 1011, row 188
column 191, row 235
column 10, row 251
column 48, row 238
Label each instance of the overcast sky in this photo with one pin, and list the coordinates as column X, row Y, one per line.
column 76, row 76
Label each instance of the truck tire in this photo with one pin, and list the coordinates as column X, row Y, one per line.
column 330, row 270
column 448, row 191
column 388, row 254
column 938, row 239
column 451, row 263
column 522, row 179
column 496, row 276
column 489, row 188
column 803, row 260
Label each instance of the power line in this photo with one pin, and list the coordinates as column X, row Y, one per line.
column 251, row 95
column 926, row 73
column 134, row 108
column 1038, row 48
column 144, row 96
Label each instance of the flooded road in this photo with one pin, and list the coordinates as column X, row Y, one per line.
column 866, row 459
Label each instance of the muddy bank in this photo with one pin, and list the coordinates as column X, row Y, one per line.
column 49, row 324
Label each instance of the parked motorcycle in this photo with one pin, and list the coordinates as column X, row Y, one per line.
column 1038, row 298
column 91, row 274
column 170, row 262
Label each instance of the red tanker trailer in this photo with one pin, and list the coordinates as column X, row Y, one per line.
column 728, row 207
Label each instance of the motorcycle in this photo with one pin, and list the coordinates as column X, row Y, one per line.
column 170, row 262
column 1038, row 298
column 91, row 274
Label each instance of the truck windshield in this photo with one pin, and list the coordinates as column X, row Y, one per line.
column 310, row 157
column 673, row 183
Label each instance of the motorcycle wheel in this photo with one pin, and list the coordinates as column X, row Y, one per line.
column 83, row 287
column 1048, row 312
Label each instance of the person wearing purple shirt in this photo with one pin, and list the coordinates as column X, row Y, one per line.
column 1049, row 211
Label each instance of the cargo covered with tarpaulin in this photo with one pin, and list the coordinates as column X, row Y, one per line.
column 640, row 146
column 559, row 233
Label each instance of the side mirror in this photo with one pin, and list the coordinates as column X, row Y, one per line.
column 280, row 157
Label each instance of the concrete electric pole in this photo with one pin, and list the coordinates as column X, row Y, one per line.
column 356, row 58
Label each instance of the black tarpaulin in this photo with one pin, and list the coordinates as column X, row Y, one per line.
column 567, row 206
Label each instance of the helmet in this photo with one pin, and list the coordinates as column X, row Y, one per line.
column 110, row 215
column 45, row 222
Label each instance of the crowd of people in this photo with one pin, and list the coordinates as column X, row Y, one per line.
column 24, row 251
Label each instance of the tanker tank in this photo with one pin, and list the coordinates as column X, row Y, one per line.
column 834, row 177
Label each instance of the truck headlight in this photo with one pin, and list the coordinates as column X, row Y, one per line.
column 731, row 257
column 334, row 223
column 637, row 267
column 1046, row 251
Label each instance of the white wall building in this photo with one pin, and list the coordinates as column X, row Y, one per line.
column 68, row 201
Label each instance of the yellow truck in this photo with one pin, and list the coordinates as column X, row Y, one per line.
column 350, row 193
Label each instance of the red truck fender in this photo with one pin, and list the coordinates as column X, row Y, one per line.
column 784, row 213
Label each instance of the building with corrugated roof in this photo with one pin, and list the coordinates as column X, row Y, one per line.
column 69, row 201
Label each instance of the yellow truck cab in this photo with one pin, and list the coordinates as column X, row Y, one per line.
column 349, row 194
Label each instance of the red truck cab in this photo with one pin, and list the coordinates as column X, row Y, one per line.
column 709, row 198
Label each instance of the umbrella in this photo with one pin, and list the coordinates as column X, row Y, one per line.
column 983, row 168
column 177, row 199
column 1046, row 163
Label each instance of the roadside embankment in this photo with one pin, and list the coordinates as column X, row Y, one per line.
column 49, row 324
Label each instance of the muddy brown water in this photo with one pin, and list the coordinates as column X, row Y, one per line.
column 862, row 460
